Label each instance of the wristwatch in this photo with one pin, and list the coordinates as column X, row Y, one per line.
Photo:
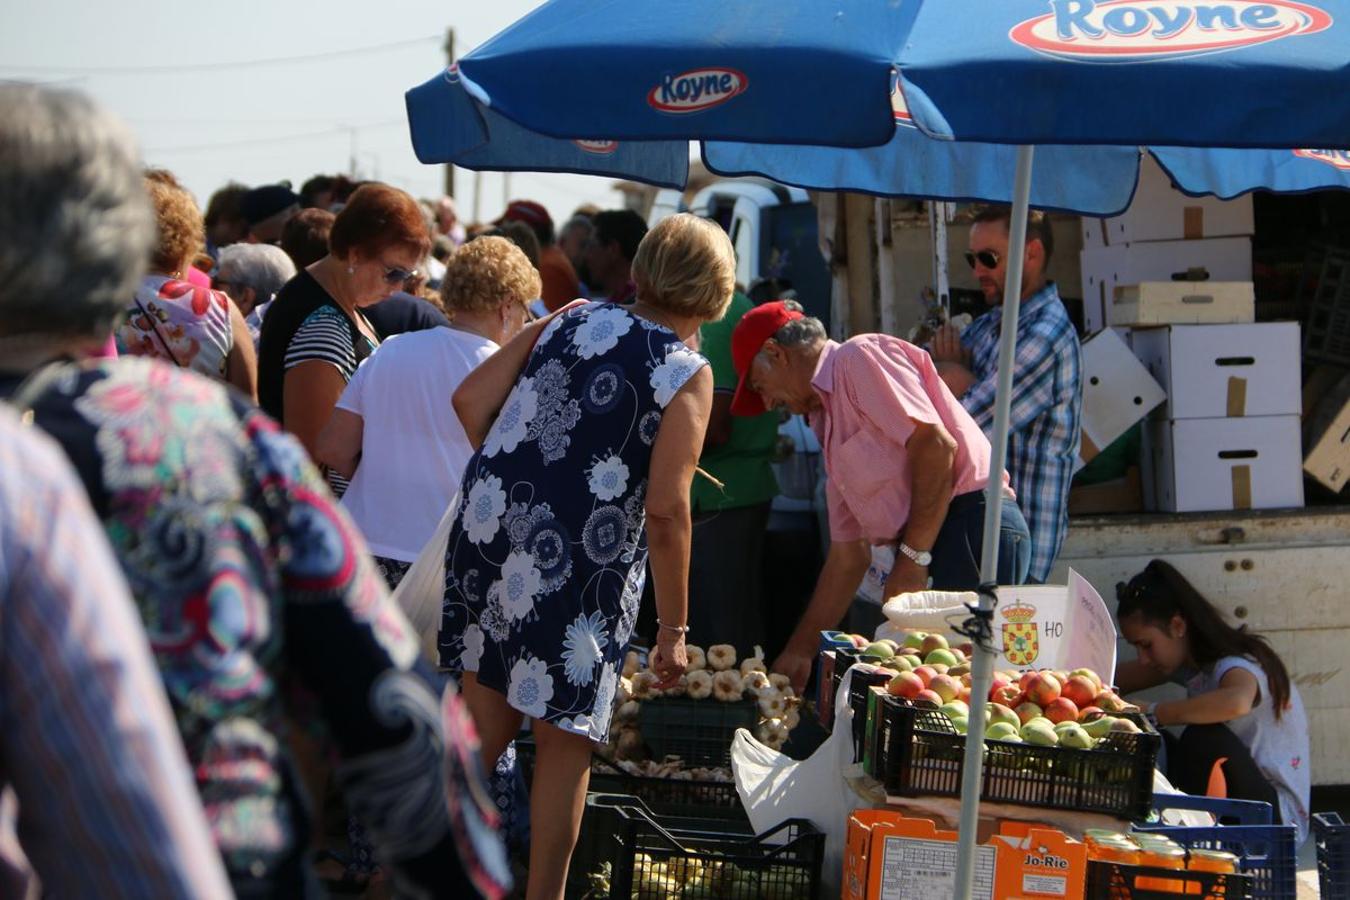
column 920, row 557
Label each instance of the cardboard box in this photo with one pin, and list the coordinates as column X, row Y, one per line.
column 1124, row 495
column 1182, row 303
column 1224, row 371
column 1160, row 212
column 1106, row 268
column 888, row 855
column 1328, row 459
column 1117, row 391
column 1202, row 465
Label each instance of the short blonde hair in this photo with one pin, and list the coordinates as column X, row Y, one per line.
column 488, row 273
column 181, row 232
column 685, row 265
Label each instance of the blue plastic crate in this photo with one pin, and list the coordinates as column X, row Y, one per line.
column 1268, row 852
column 1333, row 854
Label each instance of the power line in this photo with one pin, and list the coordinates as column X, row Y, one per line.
column 273, row 139
column 195, row 67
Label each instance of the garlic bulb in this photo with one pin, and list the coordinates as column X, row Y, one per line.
column 758, row 684
column 697, row 658
column 727, row 686
column 721, row 657
column 631, row 664
column 644, row 686
column 700, row 684
column 677, row 689
column 773, row 707
column 754, row 663
column 628, row 712
column 782, row 682
column 792, row 718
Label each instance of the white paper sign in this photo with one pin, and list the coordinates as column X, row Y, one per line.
column 1035, row 626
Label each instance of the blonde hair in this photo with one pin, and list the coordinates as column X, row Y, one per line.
column 488, row 273
column 180, row 222
column 685, row 265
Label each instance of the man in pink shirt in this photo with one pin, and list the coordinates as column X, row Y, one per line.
column 906, row 464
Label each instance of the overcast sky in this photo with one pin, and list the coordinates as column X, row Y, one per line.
column 201, row 85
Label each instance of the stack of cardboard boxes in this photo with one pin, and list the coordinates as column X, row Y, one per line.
column 1171, row 277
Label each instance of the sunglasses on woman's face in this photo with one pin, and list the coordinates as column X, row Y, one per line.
column 986, row 258
column 395, row 275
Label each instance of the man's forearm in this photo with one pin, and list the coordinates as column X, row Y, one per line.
column 932, row 454
column 844, row 569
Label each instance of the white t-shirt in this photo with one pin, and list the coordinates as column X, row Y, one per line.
column 413, row 449
column 1278, row 747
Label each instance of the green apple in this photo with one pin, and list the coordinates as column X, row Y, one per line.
column 1074, row 736
column 1040, row 733
column 961, row 724
column 877, row 650
column 955, row 710
column 902, row 663
column 1000, row 713
column 940, row 656
column 1002, row 731
column 914, row 640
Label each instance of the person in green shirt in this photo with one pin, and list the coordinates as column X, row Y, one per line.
column 725, row 571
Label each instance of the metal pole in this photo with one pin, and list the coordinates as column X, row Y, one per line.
column 938, row 217
column 982, row 668
column 449, row 61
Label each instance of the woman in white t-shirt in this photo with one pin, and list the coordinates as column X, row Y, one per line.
column 1241, row 708
column 394, row 432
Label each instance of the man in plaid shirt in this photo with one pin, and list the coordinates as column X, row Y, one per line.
column 1047, row 397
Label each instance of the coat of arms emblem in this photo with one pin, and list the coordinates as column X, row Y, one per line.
column 1021, row 641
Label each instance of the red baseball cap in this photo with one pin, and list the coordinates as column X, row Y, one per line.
column 754, row 328
column 526, row 211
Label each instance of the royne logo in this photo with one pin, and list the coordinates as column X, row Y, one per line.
column 697, row 90
column 599, row 148
column 1142, row 30
column 899, row 108
column 1337, row 158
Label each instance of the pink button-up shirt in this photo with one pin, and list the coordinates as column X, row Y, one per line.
column 875, row 388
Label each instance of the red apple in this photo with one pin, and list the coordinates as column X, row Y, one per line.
column 998, row 680
column 940, row 668
column 927, row 673
column 964, row 696
column 1025, row 678
column 1090, row 675
column 929, row 698
column 1062, row 709
column 967, row 649
column 1090, row 714
column 909, row 651
column 1080, row 690
column 1109, row 702
column 1028, row 711
column 946, row 687
column 1060, row 676
column 1009, row 695
column 1043, row 689
column 859, row 641
column 906, row 685
column 933, row 642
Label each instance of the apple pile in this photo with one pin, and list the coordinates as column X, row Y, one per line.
column 1046, row 708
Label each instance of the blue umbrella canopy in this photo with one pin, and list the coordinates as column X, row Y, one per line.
column 793, row 72
column 1233, row 73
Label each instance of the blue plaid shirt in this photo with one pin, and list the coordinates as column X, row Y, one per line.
column 1047, row 404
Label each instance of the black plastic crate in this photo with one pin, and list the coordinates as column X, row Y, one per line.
column 920, row 754
column 1114, row 881
column 645, row 854
column 699, row 732
column 1333, row 854
column 668, row 796
column 865, row 677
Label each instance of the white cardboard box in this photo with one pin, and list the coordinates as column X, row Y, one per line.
column 1182, row 303
column 1328, row 459
column 1117, row 391
column 1216, row 371
column 1106, row 268
column 1160, row 212
column 1199, row 465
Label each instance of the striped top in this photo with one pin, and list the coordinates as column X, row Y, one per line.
column 86, row 736
column 326, row 336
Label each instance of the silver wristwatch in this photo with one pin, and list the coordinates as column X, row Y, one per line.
column 920, row 557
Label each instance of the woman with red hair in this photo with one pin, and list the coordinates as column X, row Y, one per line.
column 315, row 334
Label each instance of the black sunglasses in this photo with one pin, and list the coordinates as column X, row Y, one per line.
column 395, row 275
column 987, row 258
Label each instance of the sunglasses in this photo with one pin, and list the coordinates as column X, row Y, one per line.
column 987, row 258
column 395, row 275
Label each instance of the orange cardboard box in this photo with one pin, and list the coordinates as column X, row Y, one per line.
column 888, row 856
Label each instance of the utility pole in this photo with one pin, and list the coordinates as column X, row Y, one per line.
column 449, row 61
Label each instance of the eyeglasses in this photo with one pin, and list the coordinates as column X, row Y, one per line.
column 987, row 258
column 395, row 275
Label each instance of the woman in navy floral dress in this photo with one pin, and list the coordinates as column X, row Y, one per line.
column 589, row 427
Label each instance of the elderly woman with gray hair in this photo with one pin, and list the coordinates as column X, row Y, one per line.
column 255, row 590
column 251, row 274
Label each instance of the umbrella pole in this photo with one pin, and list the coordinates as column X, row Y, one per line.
column 982, row 669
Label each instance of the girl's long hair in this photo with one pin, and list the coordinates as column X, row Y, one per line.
column 1160, row 592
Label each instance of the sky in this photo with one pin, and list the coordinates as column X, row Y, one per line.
column 203, row 87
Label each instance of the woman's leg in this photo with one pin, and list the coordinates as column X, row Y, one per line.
column 562, row 771
column 1193, row 756
column 496, row 722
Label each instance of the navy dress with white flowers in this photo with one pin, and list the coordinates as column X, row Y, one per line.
column 545, row 566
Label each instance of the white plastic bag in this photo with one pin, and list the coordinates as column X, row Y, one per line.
column 421, row 593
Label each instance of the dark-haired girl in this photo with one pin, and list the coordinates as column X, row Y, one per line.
column 1240, row 708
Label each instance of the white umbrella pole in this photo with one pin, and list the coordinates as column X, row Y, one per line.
column 982, row 669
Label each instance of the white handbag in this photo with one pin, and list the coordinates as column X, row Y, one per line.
column 421, row 593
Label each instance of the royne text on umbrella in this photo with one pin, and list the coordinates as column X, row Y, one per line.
column 697, row 90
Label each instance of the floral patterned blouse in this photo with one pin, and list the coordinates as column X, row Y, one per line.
column 180, row 323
